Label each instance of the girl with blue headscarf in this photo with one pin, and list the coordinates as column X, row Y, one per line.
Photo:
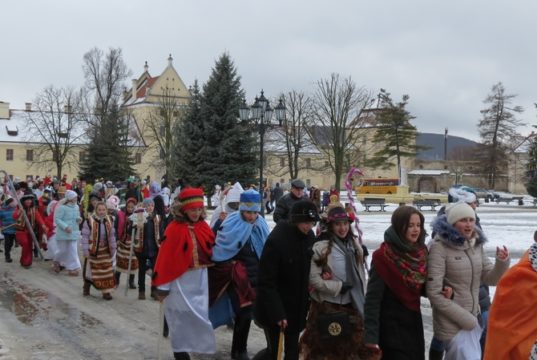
column 238, row 247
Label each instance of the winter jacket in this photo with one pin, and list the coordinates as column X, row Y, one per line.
column 282, row 288
column 284, row 205
column 6, row 219
column 454, row 262
column 329, row 290
column 67, row 216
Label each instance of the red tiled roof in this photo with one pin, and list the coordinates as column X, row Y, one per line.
column 142, row 91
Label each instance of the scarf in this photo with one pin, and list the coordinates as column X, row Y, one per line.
column 351, row 265
column 402, row 267
column 95, row 225
column 176, row 250
column 234, row 234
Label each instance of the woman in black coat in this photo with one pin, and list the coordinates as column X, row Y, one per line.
column 282, row 289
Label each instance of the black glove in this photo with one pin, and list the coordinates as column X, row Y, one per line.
column 346, row 286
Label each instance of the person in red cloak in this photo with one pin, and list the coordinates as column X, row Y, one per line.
column 23, row 236
column 181, row 276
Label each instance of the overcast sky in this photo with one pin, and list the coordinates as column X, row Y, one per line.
column 445, row 54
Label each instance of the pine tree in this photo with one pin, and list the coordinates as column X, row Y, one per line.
column 189, row 139
column 395, row 135
column 229, row 152
column 531, row 168
column 108, row 156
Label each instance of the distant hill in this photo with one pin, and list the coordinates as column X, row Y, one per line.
column 435, row 143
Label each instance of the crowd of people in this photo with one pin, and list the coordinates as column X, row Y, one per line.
column 305, row 282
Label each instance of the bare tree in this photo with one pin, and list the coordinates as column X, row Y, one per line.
column 108, row 155
column 339, row 121
column 56, row 127
column 160, row 126
column 497, row 129
column 291, row 139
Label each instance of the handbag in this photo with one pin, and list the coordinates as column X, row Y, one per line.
column 333, row 325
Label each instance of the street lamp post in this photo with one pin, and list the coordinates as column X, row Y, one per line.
column 260, row 114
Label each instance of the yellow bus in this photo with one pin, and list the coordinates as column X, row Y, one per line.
column 378, row 186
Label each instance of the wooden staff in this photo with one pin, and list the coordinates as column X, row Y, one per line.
column 130, row 259
column 280, row 343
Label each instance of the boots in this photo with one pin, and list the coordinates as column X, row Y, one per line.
column 240, row 338
column 86, row 289
column 107, row 296
column 117, row 274
column 141, row 295
column 181, row 356
column 131, row 282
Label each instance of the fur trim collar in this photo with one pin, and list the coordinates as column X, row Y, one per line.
column 450, row 236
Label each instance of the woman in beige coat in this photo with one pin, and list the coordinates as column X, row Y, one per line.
column 457, row 259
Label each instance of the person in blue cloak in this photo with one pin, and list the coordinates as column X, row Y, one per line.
column 232, row 281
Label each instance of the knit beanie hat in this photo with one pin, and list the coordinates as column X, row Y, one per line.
column 304, row 211
column 234, row 194
column 457, row 211
column 250, row 200
column 191, row 198
column 70, row 195
column 338, row 214
column 147, row 202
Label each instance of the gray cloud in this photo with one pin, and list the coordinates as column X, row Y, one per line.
column 445, row 55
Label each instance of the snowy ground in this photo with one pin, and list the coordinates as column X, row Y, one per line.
column 44, row 316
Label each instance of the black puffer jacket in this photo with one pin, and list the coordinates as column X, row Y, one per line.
column 282, row 288
column 284, row 205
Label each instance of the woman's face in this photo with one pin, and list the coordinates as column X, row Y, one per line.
column 413, row 230
column 94, row 201
column 101, row 211
column 341, row 228
column 465, row 227
column 130, row 207
column 194, row 214
column 249, row 216
column 150, row 207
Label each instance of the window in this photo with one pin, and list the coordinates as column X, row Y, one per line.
column 162, row 154
column 29, row 155
column 81, row 156
column 308, row 182
column 138, row 158
column 326, row 163
column 308, row 163
column 9, row 154
column 282, row 162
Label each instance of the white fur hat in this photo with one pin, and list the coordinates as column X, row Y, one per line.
column 112, row 202
column 458, row 211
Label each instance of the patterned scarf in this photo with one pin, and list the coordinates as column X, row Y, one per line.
column 404, row 272
column 95, row 224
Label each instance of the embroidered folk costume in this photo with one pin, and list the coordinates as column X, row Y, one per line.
column 99, row 247
column 22, row 235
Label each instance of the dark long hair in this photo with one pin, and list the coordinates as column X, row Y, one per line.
column 329, row 235
column 401, row 218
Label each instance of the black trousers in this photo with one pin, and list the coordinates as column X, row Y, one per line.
column 9, row 239
column 142, row 268
column 290, row 344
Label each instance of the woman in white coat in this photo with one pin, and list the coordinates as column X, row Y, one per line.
column 67, row 219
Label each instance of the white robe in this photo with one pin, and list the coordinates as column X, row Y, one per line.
column 67, row 254
column 187, row 313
